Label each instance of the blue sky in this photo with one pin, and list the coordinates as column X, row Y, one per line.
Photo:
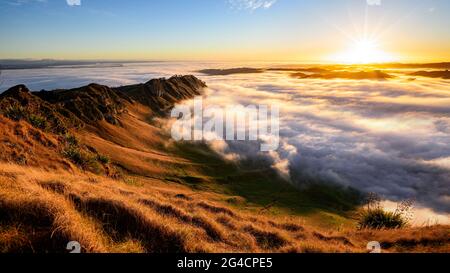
column 300, row 30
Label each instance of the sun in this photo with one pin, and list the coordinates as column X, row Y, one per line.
column 363, row 51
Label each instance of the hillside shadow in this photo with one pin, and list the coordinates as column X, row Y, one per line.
column 260, row 185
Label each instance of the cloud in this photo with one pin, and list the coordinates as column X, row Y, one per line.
column 374, row 2
column 251, row 4
column 22, row 2
column 74, row 2
column 421, row 216
column 387, row 137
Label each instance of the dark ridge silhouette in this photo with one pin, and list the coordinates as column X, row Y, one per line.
column 14, row 64
column 89, row 103
column 360, row 75
column 19, row 103
column 161, row 94
column 433, row 74
column 59, row 110
column 442, row 65
column 307, row 70
column 231, row 71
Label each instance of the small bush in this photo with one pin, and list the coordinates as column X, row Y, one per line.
column 131, row 181
column 103, row 159
column 82, row 158
column 71, row 139
column 38, row 121
column 75, row 155
column 375, row 217
column 15, row 112
column 381, row 219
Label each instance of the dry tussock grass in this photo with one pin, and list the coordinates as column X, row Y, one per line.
column 42, row 211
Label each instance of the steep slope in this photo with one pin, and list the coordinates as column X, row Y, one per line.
column 161, row 94
column 46, row 127
column 42, row 211
column 89, row 103
column 18, row 103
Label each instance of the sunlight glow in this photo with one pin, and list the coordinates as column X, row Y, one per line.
column 363, row 51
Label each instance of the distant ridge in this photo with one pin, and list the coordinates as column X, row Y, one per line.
column 433, row 74
column 231, row 71
column 62, row 109
column 161, row 94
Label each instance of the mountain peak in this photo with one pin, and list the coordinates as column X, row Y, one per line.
column 15, row 91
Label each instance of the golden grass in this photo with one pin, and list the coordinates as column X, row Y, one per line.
column 25, row 145
column 46, row 201
column 41, row 211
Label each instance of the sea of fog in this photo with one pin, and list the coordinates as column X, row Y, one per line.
column 390, row 137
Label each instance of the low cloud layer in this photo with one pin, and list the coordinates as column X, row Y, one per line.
column 389, row 137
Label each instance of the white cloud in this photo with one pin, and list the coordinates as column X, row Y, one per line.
column 74, row 2
column 252, row 4
column 22, row 2
column 374, row 2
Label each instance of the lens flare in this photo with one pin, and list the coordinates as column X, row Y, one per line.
column 363, row 51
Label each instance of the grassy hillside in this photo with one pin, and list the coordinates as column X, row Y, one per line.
column 259, row 188
column 42, row 211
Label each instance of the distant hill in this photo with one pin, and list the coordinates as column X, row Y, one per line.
column 442, row 65
column 161, row 94
column 350, row 75
column 231, row 71
column 12, row 64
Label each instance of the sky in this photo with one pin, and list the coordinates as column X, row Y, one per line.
column 223, row 30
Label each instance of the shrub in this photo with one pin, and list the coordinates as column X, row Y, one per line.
column 75, row 155
column 71, row 139
column 15, row 112
column 38, row 121
column 381, row 219
column 131, row 181
column 103, row 159
column 82, row 158
column 375, row 217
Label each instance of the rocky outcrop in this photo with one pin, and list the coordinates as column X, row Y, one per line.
column 89, row 103
column 59, row 110
column 18, row 103
column 161, row 94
